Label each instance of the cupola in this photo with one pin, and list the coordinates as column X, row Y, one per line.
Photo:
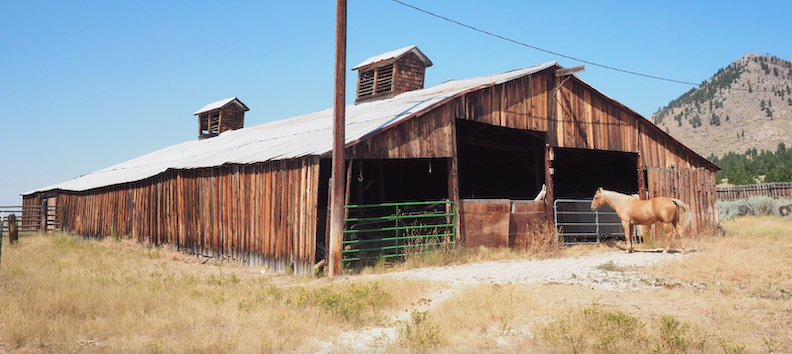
column 389, row 74
column 217, row 117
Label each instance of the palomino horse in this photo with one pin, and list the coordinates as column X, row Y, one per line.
column 673, row 213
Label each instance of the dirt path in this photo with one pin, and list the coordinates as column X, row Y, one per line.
column 586, row 269
column 596, row 270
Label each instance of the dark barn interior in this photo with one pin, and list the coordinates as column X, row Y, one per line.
column 499, row 163
column 579, row 172
column 384, row 180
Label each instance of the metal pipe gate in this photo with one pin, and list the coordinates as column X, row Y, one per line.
column 388, row 230
column 577, row 224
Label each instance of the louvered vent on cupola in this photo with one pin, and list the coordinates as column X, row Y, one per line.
column 387, row 75
column 217, row 117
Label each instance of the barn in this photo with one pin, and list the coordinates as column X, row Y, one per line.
column 486, row 145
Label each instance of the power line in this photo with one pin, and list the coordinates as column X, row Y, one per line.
column 543, row 50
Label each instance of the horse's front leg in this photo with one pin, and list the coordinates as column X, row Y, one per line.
column 628, row 235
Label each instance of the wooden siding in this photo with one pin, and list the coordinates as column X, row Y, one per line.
column 574, row 116
column 695, row 187
column 265, row 214
column 426, row 136
column 409, row 74
column 261, row 214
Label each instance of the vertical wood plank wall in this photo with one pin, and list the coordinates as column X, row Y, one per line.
column 259, row 214
column 573, row 116
column 264, row 214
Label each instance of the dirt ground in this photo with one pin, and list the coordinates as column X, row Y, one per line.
column 592, row 270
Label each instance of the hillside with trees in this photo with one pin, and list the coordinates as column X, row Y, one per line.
column 755, row 166
column 744, row 109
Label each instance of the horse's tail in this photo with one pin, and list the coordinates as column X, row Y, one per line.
column 686, row 215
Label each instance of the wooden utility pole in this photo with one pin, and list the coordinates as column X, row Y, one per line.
column 339, row 124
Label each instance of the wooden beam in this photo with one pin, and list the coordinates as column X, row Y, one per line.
column 570, row 70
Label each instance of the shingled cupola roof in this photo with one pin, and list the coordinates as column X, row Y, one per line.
column 389, row 74
column 217, row 117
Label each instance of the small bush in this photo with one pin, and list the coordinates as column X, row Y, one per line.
column 419, row 333
column 760, row 205
column 600, row 330
column 673, row 335
column 355, row 304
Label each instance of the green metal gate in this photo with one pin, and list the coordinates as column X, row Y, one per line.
column 388, row 230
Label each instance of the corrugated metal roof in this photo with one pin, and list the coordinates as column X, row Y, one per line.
column 310, row 134
column 221, row 104
column 394, row 55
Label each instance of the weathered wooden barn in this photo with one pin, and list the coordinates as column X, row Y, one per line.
column 260, row 194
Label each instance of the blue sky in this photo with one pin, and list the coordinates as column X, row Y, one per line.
column 88, row 84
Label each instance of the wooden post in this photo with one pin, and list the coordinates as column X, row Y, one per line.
column 549, row 193
column 641, row 182
column 13, row 232
column 339, row 122
column 43, row 224
column 2, row 218
column 453, row 180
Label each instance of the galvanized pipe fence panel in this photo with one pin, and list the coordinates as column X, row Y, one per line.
column 390, row 230
column 577, row 224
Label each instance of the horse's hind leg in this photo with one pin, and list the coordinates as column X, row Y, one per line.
column 681, row 232
column 668, row 229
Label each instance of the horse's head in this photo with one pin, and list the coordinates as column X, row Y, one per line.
column 598, row 200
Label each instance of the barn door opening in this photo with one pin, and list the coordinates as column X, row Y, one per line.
column 578, row 174
column 499, row 163
column 418, row 185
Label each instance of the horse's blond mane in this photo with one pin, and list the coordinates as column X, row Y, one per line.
column 616, row 198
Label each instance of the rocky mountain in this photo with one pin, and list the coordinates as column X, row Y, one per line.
column 744, row 106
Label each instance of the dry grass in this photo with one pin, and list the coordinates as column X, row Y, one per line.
column 61, row 294
column 733, row 295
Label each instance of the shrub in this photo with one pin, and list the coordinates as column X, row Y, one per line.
column 760, row 205
column 356, row 304
column 419, row 333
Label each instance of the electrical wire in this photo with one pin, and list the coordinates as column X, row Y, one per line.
column 552, row 52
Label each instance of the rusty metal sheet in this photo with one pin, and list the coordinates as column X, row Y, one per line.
column 485, row 222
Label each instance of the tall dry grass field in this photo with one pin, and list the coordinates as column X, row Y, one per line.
column 62, row 294
column 729, row 295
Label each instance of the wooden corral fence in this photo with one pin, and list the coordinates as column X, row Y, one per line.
column 32, row 217
column 253, row 214
column 773, row 190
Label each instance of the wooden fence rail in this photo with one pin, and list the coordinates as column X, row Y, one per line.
column 32, row 217
column 773, row 190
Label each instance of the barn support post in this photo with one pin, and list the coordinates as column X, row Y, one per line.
column 549, row 193
column 641, row 180
column 453, row 178
column 337, row 208
column 453, row 195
